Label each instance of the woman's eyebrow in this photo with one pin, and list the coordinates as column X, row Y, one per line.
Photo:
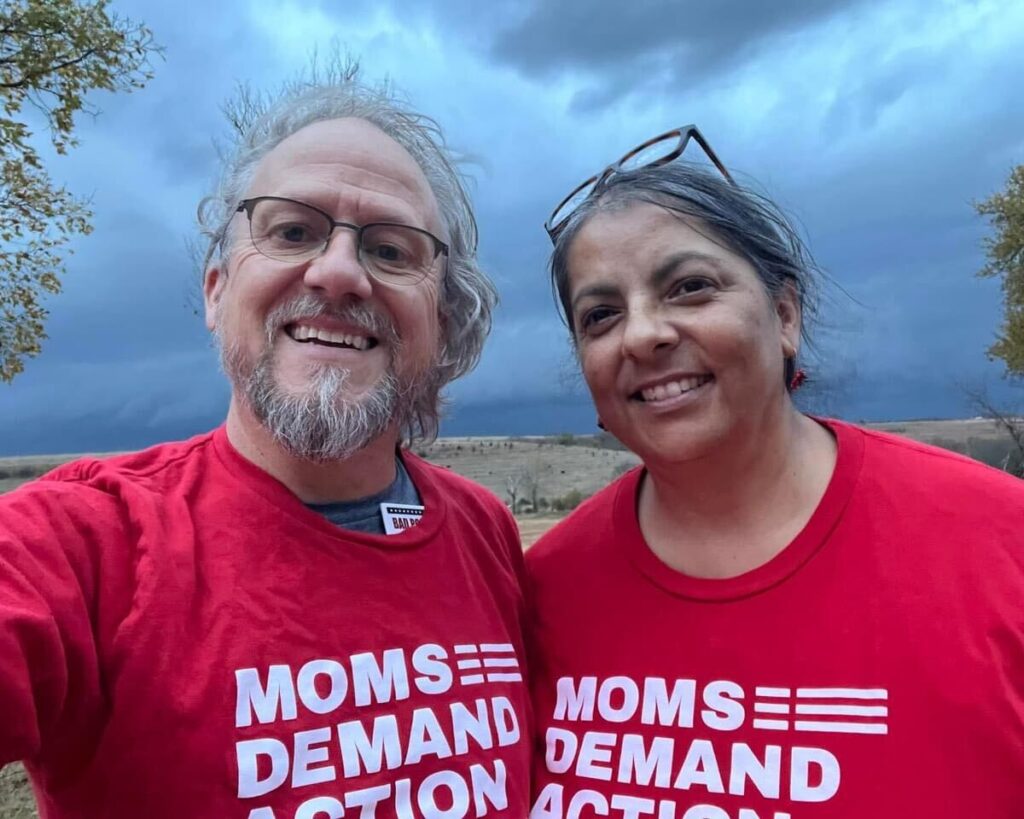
column 658, row 275
column 673, row 262
column 595, row 291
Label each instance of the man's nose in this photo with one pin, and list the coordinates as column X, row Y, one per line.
column 337, row 272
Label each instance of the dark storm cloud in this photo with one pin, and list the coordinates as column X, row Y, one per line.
column 882, row 179
column 626, row 44
column 877, row 137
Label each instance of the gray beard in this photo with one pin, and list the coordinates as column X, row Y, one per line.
column 323, row 423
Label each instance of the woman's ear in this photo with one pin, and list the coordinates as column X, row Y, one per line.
column 787, row 308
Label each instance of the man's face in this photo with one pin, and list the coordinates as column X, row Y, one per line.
column 321, row 339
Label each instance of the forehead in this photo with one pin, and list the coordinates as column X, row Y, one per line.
column 351, row 168
column 626, row 243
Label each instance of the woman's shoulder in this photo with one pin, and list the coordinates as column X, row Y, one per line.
column 909, row 466
column 881, row 444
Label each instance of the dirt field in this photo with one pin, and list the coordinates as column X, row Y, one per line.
column 497, row 463
column 14, row 471
column 557, row 469
column 560, row 467
column 957, row 430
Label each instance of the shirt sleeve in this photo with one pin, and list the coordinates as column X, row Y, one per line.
column 57, row 541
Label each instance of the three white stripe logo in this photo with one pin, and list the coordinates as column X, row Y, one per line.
column 822, row 710
column 491, row 662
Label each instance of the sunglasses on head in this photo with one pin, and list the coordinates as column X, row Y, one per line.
column 659, row 150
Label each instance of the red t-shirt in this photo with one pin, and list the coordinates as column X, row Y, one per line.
column 874, row 668
column 181, row 637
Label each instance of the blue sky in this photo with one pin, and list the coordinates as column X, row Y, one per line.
column 875, row 124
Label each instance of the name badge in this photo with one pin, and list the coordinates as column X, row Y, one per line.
column 400, row 516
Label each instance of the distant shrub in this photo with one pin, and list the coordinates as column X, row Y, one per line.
column 998, row 452
column 951, row 444
column 569, row 501
column 26, row 471
column 605, row 440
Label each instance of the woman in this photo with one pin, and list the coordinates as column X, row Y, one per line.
column 776, row 615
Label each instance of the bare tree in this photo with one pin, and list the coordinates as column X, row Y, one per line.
column 513, row 484
column 532, row 477
column 1011, row 423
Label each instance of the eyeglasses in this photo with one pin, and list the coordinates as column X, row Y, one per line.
column 290, row 231
column 660, row 150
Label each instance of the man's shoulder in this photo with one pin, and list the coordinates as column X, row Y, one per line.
column 155, row 466
column 90, row 505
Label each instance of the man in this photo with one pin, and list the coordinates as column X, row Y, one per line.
column 222, row 627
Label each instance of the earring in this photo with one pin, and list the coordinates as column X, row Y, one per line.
column 799, row 377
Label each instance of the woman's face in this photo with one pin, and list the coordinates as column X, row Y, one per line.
column 682, row 347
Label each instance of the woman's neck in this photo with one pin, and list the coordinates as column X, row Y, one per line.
column 728, row 513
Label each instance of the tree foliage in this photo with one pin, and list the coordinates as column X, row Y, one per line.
column 1005, row 252
column 52, row 54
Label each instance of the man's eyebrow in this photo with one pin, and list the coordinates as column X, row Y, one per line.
column 366, row 211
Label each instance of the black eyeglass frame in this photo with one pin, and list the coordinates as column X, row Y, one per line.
column 685, row 134
column 247, row 206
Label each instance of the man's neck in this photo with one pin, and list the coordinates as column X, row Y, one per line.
column 368, row 471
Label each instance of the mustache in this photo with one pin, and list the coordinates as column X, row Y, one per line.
column 362, row 315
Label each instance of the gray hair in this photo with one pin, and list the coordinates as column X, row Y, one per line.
column 746, row 222
column 467, row 297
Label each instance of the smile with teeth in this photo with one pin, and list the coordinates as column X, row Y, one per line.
column 672, row 389
column 318, row 335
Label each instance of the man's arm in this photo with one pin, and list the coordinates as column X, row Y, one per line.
column 58, row 544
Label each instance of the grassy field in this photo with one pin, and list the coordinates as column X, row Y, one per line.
column 555, row 466
column 560, row 465
column 531, row 527
column 550, row 468
column 16, row 801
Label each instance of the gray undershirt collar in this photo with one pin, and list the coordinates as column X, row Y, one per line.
column 363, row 515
